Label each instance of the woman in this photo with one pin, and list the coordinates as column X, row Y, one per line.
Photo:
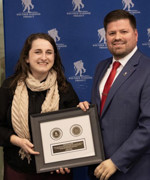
column 38, row 85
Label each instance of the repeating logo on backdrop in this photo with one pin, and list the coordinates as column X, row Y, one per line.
column 79, row 68
column 148, row 39
column 128, row 5
column 101, row 39
column 28, row 9
column 27, row 5
column 77, row 5
column 80, row 72
column 148, row 33
column 78, row 9
column 55, row 35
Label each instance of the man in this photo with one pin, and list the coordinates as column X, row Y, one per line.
column 125, row 112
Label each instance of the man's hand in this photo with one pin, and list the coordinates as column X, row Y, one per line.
column 105, row 170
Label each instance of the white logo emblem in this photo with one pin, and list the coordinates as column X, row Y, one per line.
column 77, row 12
column 79, row 67
column 148, row 34
column 147, row 43
column 54, row 34
column 101, row 35
column 26, row 10
column 101, row 39
column 27, row 5
column 127, row 4
column 78, row 76
column 77, row 5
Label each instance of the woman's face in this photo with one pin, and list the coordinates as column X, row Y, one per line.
column 41, row 58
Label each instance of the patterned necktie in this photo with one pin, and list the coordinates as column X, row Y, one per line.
column 108, row 84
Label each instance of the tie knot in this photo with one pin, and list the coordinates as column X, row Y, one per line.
column 116, row 64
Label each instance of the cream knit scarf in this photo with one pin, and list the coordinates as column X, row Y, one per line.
column 20, row 104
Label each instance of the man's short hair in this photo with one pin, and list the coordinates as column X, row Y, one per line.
column 117, row 15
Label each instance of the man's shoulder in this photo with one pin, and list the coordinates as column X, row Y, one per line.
column 142, row 56
column 144, row 60
column 104, row 62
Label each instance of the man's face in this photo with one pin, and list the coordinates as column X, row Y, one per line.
column 121, row 38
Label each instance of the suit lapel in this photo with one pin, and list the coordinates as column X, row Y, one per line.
column 126, row 72
column 99, row 77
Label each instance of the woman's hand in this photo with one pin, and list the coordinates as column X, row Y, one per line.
column 84, row 105
column 63, row 171
column 23, row 143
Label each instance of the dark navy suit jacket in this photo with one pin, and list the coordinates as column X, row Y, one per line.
column 125, row 120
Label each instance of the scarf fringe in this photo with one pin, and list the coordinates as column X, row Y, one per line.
column 23, row 155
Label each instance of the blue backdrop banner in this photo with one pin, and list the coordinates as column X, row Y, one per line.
column 77, row 28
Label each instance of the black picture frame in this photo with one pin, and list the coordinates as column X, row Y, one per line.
column 78, row 146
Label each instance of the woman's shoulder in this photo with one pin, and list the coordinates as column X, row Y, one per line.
column 5, row 90
column 68, row 84
column 68, row 87
column 6, row 83
column 69, row 91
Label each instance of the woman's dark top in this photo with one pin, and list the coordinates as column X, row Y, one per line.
column 11, row 156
